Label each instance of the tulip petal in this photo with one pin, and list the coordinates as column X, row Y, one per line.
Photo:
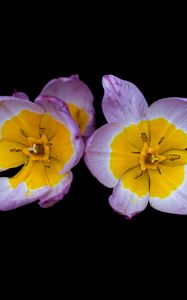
column 35, row 181
column 122, row 102
column 98, row 153
column 166, row 135
column 58, row 192
column 17, row 118
column 20, row 95
column 78, row 98
column 11, row 155
column 12, row 198
column 130, row 196
column 168, row 189
column 172, row 109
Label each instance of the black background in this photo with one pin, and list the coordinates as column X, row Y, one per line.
column 148, row 51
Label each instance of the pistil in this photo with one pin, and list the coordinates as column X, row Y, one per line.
column 150, row 157
column 38, row 150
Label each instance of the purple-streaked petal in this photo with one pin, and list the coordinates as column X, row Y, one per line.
column 97, row 153
column 59, row 111
column 14, row 119
column 172, row 109
column 73, row 91
column 122, row 102
column 57, row 193
column 35, row 181
column 133, row 199
column 70, row 89
column 12, row 198
column 11, row 106
column 20, row 95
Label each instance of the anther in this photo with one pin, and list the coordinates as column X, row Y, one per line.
column 23, row 133
column 161, row 139
column 144, row 137
column 159, row 171
column 47, row 164
column 42, row 130
column 15, row 150
column 173, row 157
column 138, row 175
column 136, row 152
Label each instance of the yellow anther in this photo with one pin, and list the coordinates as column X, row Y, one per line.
column 144, row 137
column 173, row 157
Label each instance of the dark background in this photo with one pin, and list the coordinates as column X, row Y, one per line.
column 148, row 51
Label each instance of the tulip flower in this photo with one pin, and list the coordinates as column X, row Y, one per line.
column 142, row 151
column 42, row 139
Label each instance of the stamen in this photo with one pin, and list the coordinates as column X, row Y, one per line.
column 23, row 133
column 161, row 139
column 173, row 157
column 15, row 150
column 136, row 152
column 144, row 137
column 38, row 150
column 138, row 175
column 47, row 164
column 42, row 131
column 159, row 171
column 49, row 144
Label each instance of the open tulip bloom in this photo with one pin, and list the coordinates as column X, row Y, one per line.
column 43, row 138
column 141, row 152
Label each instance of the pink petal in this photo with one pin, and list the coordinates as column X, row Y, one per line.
column 172, row 109
column 20, row 95
column 12, row 198
column 127, row 202
column 57, row 193
column 176, row 202
column 75, row 91
column 97, row 153
column 122, row 101
column 11, row 106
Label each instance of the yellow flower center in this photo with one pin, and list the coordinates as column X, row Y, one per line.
column 149, row 157
column 38, row 143
column 38, row 149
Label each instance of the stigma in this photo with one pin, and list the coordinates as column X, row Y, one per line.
column 151, row 158
column 37, row 149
